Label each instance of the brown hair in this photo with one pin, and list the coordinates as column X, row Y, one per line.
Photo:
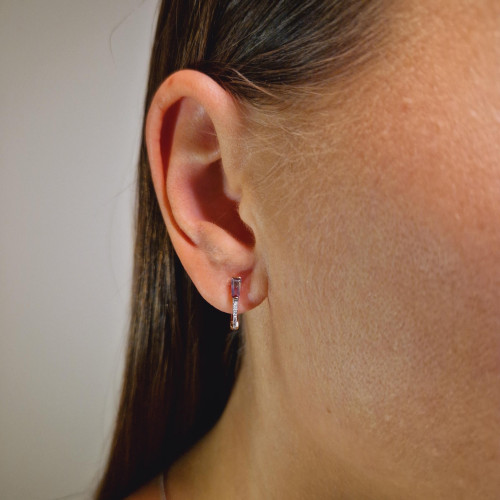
column 182, row 360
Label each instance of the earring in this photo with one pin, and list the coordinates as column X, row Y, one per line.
column 235, row 294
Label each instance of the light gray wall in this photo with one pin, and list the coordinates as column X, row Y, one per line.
column 72, row 81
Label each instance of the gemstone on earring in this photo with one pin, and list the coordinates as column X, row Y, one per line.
column 235, row 287
column 235, row 293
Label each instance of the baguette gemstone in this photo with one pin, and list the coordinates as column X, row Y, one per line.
column 235, row 287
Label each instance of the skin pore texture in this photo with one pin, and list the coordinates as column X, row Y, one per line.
column 372, row 281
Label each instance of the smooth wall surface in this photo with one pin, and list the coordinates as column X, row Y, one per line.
column 72, row 83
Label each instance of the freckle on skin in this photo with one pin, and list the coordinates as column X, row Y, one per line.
column 406, row 104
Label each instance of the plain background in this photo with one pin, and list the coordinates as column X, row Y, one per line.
column 72, row 83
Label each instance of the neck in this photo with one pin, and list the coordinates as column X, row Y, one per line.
column 256, row 449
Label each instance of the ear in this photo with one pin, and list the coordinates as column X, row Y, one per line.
column 193, row 133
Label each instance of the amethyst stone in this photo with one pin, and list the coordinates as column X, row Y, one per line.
column 235, row 287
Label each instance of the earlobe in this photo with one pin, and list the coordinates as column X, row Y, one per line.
column 193, row 154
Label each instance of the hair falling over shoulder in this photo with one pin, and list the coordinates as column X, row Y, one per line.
column 182, row 359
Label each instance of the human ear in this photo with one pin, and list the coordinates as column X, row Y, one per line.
column 192, row 137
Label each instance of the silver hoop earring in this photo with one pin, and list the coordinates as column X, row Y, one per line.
column 235, row 294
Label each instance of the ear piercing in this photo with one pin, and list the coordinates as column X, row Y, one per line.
column 235, row 294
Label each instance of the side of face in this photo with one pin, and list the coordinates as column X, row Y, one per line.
column 385, row 241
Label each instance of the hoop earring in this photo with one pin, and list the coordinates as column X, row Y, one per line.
column 235, row 294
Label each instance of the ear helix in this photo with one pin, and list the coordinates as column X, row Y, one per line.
column 235, row 294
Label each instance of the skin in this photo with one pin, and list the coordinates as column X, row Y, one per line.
column 371, row 270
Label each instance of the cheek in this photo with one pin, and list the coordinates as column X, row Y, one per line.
column 386, row 275
column 387, row 287
column 429, row 211
column 415, row 297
